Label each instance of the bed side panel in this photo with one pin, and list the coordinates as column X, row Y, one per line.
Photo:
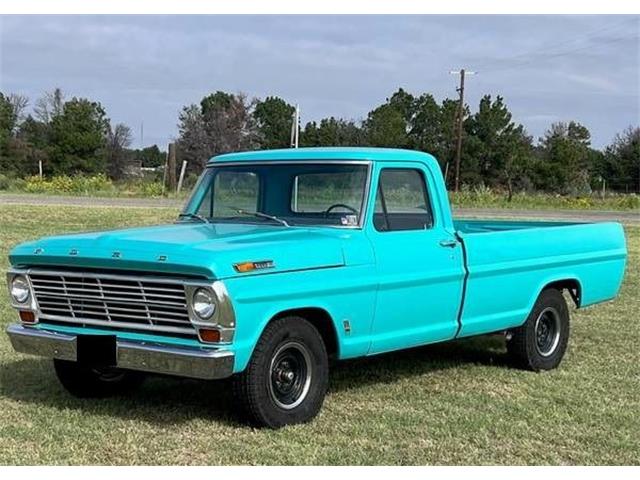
column 508, row 270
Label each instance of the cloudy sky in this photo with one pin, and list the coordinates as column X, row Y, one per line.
column 143, row 69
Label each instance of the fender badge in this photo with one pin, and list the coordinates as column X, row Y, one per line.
column 245, row 267
column 162, row 258
column 73, row 252
column 116, row 254
column 347, row 326
column 38, row 251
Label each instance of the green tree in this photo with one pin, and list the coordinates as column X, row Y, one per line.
column 433, row 129
column 7, row 120
column 274, row 117
column 14, row 151
column 387, row 126
column 78, row 138
column 426, row 125
column 498, row 151
column 332, row 132
column 35, row 138
column 565, row 160
column 619, row 165
column 150, row 157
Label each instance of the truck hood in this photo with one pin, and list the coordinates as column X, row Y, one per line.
column 208, row 250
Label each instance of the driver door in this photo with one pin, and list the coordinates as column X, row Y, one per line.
column 419, row 264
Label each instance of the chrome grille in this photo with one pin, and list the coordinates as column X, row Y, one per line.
column 110, row 300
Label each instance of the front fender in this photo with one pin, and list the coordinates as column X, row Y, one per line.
column 345, row 293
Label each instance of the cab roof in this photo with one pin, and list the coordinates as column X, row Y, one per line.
column 326, row 153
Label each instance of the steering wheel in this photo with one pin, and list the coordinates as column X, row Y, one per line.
column 339, row 205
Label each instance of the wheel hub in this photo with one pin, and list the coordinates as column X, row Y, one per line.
column 547, row 331
column 290, row 375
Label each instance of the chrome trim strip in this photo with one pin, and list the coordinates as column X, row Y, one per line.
column 309, row 161
column 31, row 304
column 134, row 278
column 223, row 319
column 116, row 324
column 147, row 357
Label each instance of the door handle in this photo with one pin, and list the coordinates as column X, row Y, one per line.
column 448, row 243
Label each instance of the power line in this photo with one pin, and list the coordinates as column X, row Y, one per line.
column 561, row 54
column 542, row 49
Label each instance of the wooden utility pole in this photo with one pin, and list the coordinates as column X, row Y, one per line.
column 460, row 90
column 171, row 168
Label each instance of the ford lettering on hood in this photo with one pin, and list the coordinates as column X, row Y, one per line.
column 203, row 249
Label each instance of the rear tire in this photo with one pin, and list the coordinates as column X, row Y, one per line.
column 541, row 342
column 287, row 377
column 85, row 381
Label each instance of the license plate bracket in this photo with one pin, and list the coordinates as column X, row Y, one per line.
column 97, row 350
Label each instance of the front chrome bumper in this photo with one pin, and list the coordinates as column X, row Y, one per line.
column 147, row 357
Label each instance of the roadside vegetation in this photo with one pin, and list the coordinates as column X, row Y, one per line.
column 80, row 185
column 482, row 197
column 150, row 186
column 454, row 403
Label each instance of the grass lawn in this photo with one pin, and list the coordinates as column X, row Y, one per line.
column 455, row 403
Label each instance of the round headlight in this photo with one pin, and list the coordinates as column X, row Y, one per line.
column 203, row 303
column 20, row 289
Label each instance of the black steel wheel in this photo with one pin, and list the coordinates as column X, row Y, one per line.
column 541, row 342
column 547, row 331
column 286, row 379
column 291, row 374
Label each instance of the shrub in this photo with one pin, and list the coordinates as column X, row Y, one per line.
column 65, row 184
column 7, row 182
column 150, row 189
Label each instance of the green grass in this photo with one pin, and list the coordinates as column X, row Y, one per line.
column 455, row 403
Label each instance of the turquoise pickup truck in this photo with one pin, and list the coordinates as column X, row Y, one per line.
column 283, row 260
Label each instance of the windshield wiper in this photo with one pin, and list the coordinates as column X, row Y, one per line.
column 194, row 216
column 260, row 215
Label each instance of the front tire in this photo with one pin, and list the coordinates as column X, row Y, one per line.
column 85, row 381
column 287, row 377
column 540, row 344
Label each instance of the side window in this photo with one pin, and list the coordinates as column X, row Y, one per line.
column 402, row 202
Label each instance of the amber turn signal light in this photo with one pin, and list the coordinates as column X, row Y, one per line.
column 210, row 335
column 27, row 316
column 244, row 267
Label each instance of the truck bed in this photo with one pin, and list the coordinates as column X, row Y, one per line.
column 508, row 263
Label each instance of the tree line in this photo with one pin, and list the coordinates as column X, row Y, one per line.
column 66, row 137
column 75, row 136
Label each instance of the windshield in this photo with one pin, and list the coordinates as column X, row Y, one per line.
column 286, row 194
